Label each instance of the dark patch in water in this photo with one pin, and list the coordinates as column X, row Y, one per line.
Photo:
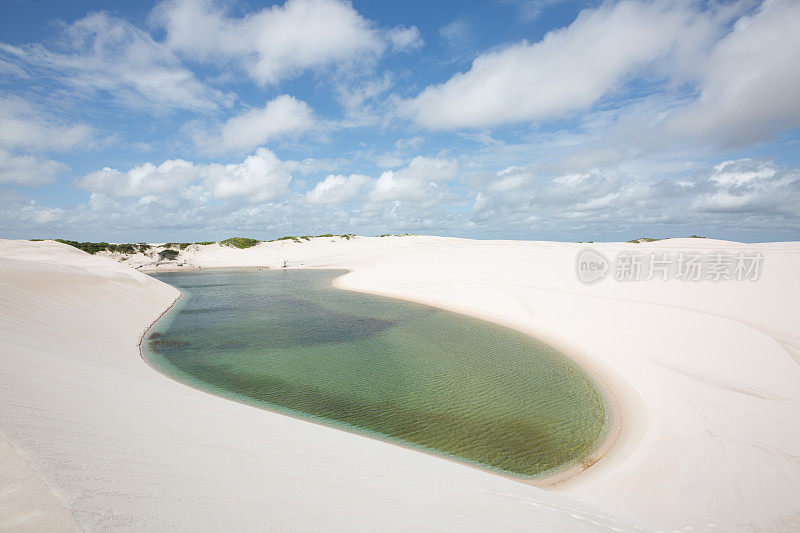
column 301, row 322
column 159, row 346
column 205, row 310
column 204, row 285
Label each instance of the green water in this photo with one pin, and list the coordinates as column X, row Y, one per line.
column 425, row 378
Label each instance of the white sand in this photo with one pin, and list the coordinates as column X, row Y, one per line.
column 706, row 375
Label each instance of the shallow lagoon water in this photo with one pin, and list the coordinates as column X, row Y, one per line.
column 288, row 341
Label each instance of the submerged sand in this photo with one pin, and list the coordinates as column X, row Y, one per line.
column 706, row 376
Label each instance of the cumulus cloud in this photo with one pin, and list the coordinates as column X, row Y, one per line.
column 569, row 69
column 20, row 213
column 749, row 84
column 336, row 189
column 102, row 54
column 421, row 182
column 24, row 127
column 141, row 180
column 284, row 116
column 744, row 193
column 741, row 198
column 27, row 169
column 279, row 41
column 748, row 186
column 712, row 82
column 418, row 182
column 651, row 86
column 403, row 39
column 260, row 177
column 42, row 215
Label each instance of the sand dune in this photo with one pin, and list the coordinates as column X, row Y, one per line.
column 705, row 373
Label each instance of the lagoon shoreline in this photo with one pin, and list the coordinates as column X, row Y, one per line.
column 615, row 423
column 558, row 476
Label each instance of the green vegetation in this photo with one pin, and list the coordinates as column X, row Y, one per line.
column 287, row 238
column 168, row 254
column 233, row 242
column 126, row 248
column 88, row 247
column 179, row 245
column 239, row 242
column 397, row 235
column 301, row 238
column 643, row 239
column 94, row 247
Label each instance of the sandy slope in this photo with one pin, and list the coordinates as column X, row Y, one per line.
column 706, row 375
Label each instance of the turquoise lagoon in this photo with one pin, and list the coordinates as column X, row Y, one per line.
column 437, row 381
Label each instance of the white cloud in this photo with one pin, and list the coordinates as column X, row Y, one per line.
column 260, row 177
column 22, row 126
column 735, row 198
column 741, row 172
column 568, row 70
column 336, row 189
column 47, row 215
column 531, row 9
column 27, row 169
column 405, row 38
column 510, row 179
column 142, row 180
column 429, row 168
column 279, row 41
column 105, row 54
column 750, row 84
column 23, row 214
column 284, row 116
column 597, row 203
column 101, row 202
column 457, row 33
column 705, row 81
column 418, row 182
column 12, row 68
column 747, row 194
column 358, row 98
column 411, row 143
column 746, row 185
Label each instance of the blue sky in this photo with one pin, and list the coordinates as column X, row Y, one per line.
column 565, row 120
